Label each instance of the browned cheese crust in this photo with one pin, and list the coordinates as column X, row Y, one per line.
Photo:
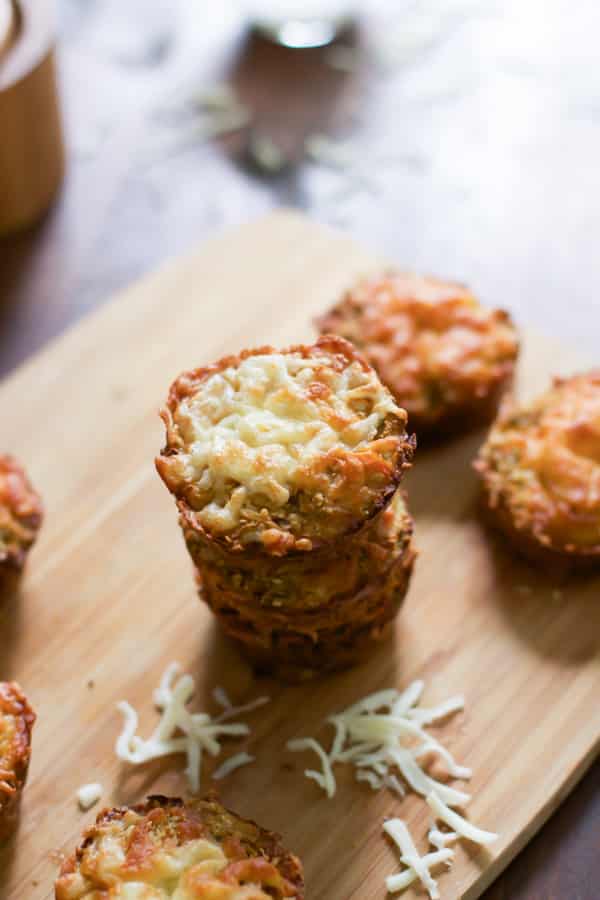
column 277, row 452
column 305, row 624
column 164, row 848
column 16, row 723
column 540, row 471
column 447, row 359
column 20, row 517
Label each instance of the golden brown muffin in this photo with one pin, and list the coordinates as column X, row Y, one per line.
column 16, row 723
column 20, row 517
column 540, row 470
column 274, row 452
column 308, row 581
column 164, row 849
column 310, row 623
column 446, row 358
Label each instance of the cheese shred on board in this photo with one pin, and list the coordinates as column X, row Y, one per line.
column 418, row 867
column 180, row 731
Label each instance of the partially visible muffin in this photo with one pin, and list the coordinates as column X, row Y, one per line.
column 164, row 848
column 20, row 517
column 277, row 452
column 16, row 723
column 540, row 472
column 445, row 357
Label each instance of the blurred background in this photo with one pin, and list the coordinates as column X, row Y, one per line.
column 457, row 137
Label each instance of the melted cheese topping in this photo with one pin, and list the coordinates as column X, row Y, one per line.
column 253, row 431
column 152, row 858
column 432, row 343
column 418, row 866
column 8, row 733
column 544, row 461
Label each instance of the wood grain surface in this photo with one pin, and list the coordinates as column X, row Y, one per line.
column 108, row 599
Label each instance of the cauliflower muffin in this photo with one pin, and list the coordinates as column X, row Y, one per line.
column 540, row 471
column 446, row 359
column 308, row 581
column 165, row 849
column 16, row 723
column 285, row 466
column 300, row 624
column 278, row 452
column 20, row 517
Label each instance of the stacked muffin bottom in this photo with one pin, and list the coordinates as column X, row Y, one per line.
column 299, row 617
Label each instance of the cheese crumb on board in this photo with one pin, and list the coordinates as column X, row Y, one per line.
column 180, row 731
column 460, row 825
column 88, row 795
column 231, row 764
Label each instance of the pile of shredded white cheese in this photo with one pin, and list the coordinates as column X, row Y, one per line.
column 385, row 732
column 383, row 736
column 180, row 731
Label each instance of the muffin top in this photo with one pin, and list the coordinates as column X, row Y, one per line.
column 436, row 348
column 164, row 849
column 542, row 465
column 283, row 451
column 20, row 513
column 16, row 722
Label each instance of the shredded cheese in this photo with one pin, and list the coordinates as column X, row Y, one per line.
column 427, row 716
column 324, row 779
column 439, row 839
column 231, row 764
column 459, row 824
column 395, row 883
column 88, row 795
column 180, row 731
column 401, row 836
column 384, row 731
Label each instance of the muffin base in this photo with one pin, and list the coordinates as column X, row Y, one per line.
column 559, row 561
column 301, row 645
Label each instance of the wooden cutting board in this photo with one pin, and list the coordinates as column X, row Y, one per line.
column 109, row 600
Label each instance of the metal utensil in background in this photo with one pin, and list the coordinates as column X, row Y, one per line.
column 301, row 23
column 31, row 142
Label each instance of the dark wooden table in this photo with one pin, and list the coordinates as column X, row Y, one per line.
column 471, row 149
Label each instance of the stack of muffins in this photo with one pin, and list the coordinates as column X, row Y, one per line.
column 286, row 468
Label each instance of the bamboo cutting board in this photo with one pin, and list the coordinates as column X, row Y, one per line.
column 108, row 599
